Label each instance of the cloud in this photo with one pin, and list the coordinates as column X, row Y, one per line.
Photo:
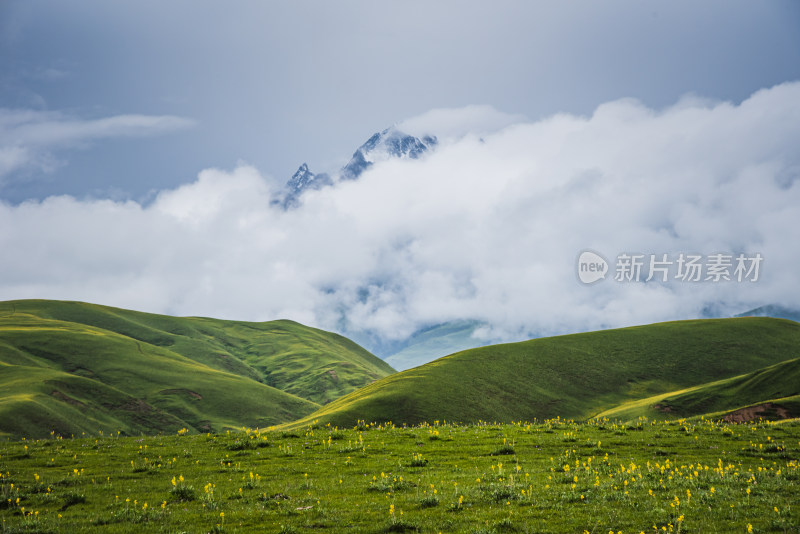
column 454, row 123
column 487, row 226
column 28, row 138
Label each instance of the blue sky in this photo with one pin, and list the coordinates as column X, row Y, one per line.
column 275, row 84
column 143, row 146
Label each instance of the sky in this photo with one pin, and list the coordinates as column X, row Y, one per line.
column 142, row 146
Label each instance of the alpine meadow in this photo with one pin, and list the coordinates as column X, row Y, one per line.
column 452, row 267
column 122, row 421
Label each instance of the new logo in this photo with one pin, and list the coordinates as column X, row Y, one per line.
column 591, row 267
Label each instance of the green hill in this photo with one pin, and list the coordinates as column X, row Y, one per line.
column 775, row 388
column 573, row 376
column 74, row 367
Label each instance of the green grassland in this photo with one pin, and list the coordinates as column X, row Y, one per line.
column 74, row 367
column 553, row 476
column 658, row 449
column 579, row 376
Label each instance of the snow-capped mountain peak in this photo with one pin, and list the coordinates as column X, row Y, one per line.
column 302, row 180
column 388, row 144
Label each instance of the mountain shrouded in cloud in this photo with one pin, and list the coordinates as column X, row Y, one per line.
column 388, row 144
column 486, row 224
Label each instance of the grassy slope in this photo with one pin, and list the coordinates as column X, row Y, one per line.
column 777, row 384
column 313, row 364
column 35, row 399
column 574, row 376
column 73, row 367
column 307, row 362
column 84, row 368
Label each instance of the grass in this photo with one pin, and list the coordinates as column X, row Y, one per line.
column 575, row 376
column 777, row 385
column 636, row 463
column 72, row 367
column 562, row 476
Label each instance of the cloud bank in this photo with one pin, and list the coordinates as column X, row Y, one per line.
column 488, row 226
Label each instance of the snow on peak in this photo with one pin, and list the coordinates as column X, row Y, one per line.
column 390, row 143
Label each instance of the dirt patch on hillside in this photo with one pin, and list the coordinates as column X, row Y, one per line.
column 767, row 410
column 137, row 405
column 66, row 398
column 189, row 392
column 334, row 376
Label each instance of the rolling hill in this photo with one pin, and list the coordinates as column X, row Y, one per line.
column 772, row 390
column 72, row 367
column 574, row 376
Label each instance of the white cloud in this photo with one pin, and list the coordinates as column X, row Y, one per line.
column 28, row 137
column 486, row 226
column 458, row 122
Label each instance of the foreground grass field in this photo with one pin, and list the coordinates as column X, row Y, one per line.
column 554, row 476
